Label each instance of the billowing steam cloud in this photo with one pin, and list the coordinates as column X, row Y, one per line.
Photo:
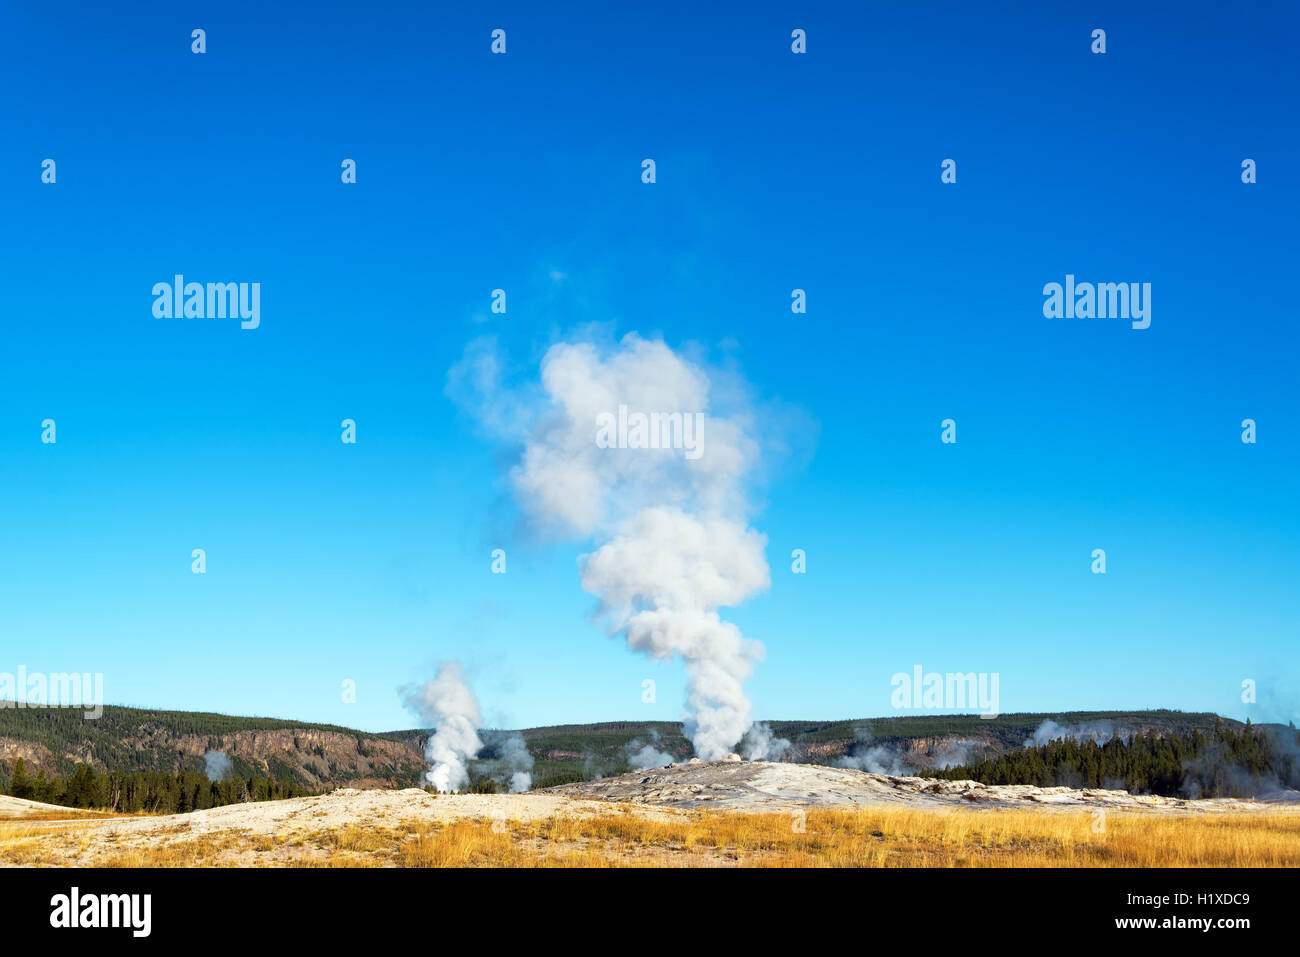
column 660, row 582
column 665, row 505
column 216, row 765
column 447, row 704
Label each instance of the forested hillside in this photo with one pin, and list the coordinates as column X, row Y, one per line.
column 131, row 739
column 1225, row 762
column 914, row 744
column 318, row 757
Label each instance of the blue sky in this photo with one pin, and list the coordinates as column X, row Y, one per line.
column 774, row 171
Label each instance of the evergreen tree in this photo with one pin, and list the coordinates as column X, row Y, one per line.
column 20, row 785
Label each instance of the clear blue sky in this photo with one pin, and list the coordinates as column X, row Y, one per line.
column 775, row 171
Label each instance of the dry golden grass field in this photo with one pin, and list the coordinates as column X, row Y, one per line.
column 399, row 829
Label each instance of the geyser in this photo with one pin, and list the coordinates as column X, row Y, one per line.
column 448, row 705
column 669, row 524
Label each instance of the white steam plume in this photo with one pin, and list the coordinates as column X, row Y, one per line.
column 874, row 758
column 514, row 756
column 762, row 745
column 660, row 582
column 216, row 765
column 670, row 523
column 641, row 757
column 1049, row 731
column 953, row 754
column 447, row 704
column 877, row 759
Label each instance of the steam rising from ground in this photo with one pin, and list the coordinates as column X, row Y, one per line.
column 954, row 754
column 642, row 756
column 672, row 528
column 216, row 765
column 1220, row 772
column 876, row 758
column 886, row 759
column 513, row 755
column 660, row 582
column 447, row 705
column 762, row 745
column 1049, row 730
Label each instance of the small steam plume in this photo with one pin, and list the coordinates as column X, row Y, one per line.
column 670, row 521
column 595, row 767
column 641, row 757
column 1049, row 730
column 1219, row 773
column 216, row 765
column 447, row 705
column 877, row 759
column 761, row 744
column 513, row 754
column 954, row 754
